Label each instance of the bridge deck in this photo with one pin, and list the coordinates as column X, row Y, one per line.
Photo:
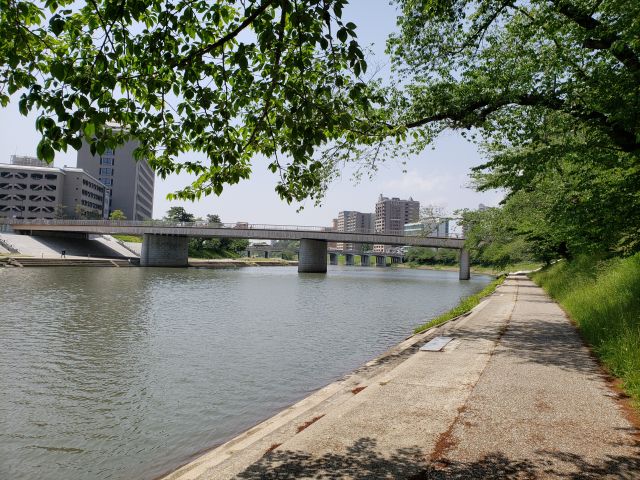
column 237, row 230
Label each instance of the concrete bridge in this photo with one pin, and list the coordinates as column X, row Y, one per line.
column 165, row 244
column 365, row 257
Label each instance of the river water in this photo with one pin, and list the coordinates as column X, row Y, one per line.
column 110, row 373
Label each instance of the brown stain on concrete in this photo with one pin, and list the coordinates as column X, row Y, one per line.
column 446, row 441
column 309, row 423
column 357, row 390
column 272, row 448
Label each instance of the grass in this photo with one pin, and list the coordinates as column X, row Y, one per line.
column 463, row 307
column 512, row 267
column 603, row 298
column 128, row 238
column 516, row 267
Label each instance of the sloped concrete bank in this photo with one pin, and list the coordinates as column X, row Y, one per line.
column 515, row 394
column 66, row 262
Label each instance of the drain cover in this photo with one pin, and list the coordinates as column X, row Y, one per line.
column 436, row 344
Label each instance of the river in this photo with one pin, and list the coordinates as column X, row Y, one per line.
column 121, row 373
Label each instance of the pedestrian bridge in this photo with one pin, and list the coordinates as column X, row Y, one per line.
column 166, row 243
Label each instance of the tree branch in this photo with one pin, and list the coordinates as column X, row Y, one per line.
column 475, row 113
column 229, row 36
column 604, row 41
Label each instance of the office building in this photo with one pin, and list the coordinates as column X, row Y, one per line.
column 439, row 229
column 129, row 183
column 392, row 214
column 31, row 189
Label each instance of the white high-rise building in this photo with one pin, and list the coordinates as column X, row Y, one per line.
column 129, row 183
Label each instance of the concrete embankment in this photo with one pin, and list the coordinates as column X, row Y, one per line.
column 515, row 394
column 236, row 263
column 64, row 262
column 52, row 247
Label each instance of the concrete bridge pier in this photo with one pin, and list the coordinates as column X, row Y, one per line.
column 365, row 261
column 465, row 266
column 164, row 251
column 349, row 259
column 312, row 257
column 381, row 261
column 333, row 258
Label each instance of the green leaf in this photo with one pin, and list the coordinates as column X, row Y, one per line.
column 45, row 151
column 342, row 34
column 57, row 24
column 90, row 130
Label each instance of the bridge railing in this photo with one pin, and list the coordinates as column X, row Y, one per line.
column 206, row 225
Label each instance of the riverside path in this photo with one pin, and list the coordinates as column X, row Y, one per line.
column 514, row 395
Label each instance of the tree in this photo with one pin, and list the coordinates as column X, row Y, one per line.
column 179, row 215
column 117, row 215
column 493, row 238
column 85, row 213
column 552, row 87
column 213, row 218
column 494, row 65
column 59, row 211
column 230, row 79
column 431, row 216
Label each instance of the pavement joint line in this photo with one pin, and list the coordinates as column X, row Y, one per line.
column 445, row 441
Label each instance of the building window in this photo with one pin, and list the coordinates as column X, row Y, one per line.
column 106, row 160
column 106, row 171
column 50, row 176
column 107, row 181
column 6, row 174
column 36, row 176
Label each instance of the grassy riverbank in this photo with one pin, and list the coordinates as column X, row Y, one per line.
column 490, row 270
column 463, row 307
column 603, row 298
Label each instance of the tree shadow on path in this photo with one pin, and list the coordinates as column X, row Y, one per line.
column 362, row 461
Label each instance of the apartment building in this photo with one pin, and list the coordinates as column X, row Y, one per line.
column 31, row 189
column 352, row 221
column 392, row 214
column 129, row 183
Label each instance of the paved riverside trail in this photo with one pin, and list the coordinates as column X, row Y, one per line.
column 515, row 395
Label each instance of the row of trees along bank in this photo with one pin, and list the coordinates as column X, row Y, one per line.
column 200, row 247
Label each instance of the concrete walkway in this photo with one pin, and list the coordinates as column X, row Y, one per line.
column 515, row 395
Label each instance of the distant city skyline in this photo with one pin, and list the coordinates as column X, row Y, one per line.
column 436, row 176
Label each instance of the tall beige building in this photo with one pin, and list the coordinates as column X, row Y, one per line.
column 352, row 221
column 31, row 189
column 129, row 183
column 392, row 214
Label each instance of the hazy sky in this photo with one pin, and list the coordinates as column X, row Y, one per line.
column 438, row 176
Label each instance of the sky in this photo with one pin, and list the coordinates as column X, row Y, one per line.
column 437, row 176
